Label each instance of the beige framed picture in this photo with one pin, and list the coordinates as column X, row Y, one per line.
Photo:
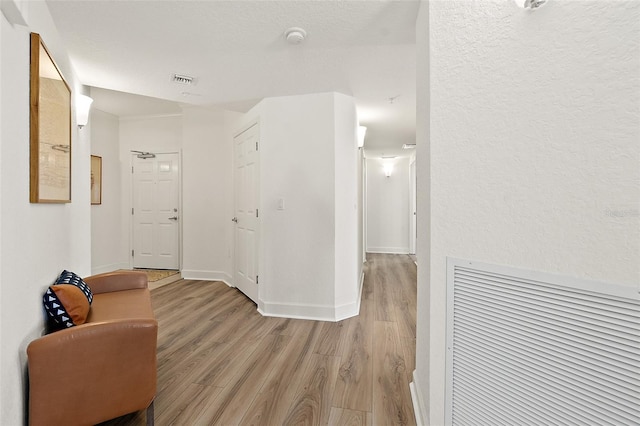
column 96, row 180
column 50, row 129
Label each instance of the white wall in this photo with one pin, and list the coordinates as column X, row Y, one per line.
column 347, row 232
column 160, row 134
column 388, row 204
column 204, row 138
column 534, row 148
column 207, row 185
column 108, row 250
column 38, row 240
column 299, row 140
column 420, row 385
column 297, row 264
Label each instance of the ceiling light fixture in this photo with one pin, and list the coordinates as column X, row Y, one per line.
column 409, row 146
column 530, row 4
column 295, row 35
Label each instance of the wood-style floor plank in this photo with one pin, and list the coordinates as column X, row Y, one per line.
column 355, row 378
column 344, row 417
column 392, row 399
column 272, row 404
column 312, row 403
column 221, row 362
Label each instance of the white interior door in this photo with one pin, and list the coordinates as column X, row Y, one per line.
column 156, row 230
column 246, row 212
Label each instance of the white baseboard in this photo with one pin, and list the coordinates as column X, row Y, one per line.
column 351, row 309
column 388, row 250
column 297, row 311
column 417, row 399
column 312, row 312
column 192, row 274
column 109, row 268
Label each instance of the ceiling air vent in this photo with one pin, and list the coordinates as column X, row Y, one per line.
column 183, row 79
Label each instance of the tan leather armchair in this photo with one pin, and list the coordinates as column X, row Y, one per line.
column 102, row 369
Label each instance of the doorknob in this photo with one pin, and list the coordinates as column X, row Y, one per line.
column 173, row 218
column 235, row 219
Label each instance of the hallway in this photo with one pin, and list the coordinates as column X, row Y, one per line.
column 221, row 362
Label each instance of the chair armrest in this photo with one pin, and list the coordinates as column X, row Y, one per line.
column 116, row 281
column 92, row 372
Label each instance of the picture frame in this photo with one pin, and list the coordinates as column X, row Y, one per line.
column 96, row 180
column 49, row 128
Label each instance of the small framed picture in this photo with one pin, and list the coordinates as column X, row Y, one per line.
column 96, row 180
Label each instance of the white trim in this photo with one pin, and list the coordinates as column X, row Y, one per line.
column 388, row 250
column 348, row 310
column 192, row 274
column 312, row 312
column 95, row 270
column 419, row 408
column 297, row 311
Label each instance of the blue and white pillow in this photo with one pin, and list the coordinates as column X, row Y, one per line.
column 67, row 277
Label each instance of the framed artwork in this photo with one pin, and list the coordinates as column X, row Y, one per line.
column 96, row 179
column 49, row 128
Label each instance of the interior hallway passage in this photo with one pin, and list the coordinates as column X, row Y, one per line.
column 221, row 362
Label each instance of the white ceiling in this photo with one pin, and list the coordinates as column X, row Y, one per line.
column 237, row 52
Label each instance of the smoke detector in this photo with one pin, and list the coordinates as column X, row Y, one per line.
column 295, row 35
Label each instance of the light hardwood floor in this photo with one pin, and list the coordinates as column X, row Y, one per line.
column 221, row 362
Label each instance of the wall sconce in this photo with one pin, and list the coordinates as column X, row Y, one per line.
column 361, row 132
column 388, row 169
column 83, row 105
column 530, row 4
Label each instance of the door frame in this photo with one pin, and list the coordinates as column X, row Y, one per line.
column 129, row 174
column 413, row 209
column 258, row 249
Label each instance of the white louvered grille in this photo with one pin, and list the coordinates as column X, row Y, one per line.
column 528, row 348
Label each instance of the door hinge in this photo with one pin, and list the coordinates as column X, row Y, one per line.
column 256, row 212
column 256, row 145
column 131, row 169
column 131, row 210
column 256, row 279
column 132, row 253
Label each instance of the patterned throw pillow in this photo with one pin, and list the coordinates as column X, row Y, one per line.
column 66, row 304
column 67, row 277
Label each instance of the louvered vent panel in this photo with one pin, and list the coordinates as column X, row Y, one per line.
column 527, row 348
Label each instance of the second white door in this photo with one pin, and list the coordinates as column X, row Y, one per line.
column 156, row 230
column 246, row 212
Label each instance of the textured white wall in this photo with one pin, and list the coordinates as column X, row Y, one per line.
column 297, row 165
column 388, row 205
column 299, row 140
column 348, row 252
column 108, row 249
column 38, row 240
column 534, row 147
column 423, row 244
column 207, row 194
